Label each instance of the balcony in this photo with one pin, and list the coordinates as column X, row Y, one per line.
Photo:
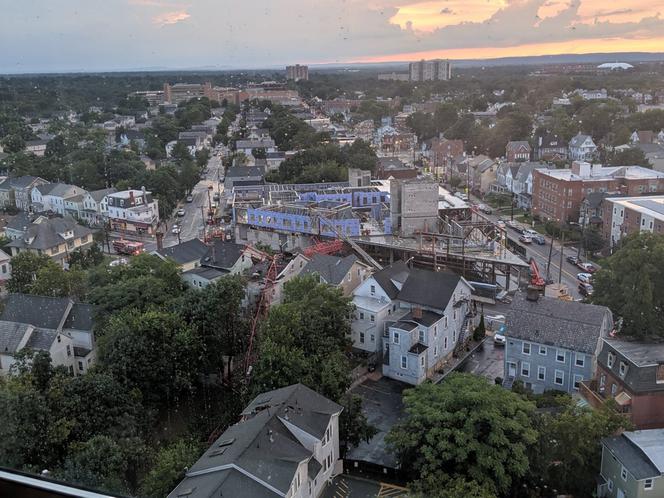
column 589, row 391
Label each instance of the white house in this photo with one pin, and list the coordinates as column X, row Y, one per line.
column 133, row 211
column 582, row 148
column 95, row 206
column 57, row 197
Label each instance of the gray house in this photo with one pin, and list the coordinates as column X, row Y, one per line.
column 553, row 344
column 243, row 174
column 632, row 465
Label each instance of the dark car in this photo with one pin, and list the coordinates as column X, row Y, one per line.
column 586, row 290
column 573, row 260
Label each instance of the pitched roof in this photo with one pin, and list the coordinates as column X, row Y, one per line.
column 222, row 254
column 578, row 140
column 20, row 221
column 206, row 273
column 98, row 195
column 39, row 311
column 332, row 269
column 11, row 334
column 262, row 445
column 41, row 339
column 20, row 182
column 186, row 252
column 81, row 317
column 641, row 452
column 44, row 233
column 244, row 171
column 565, row 324
column 517, row 144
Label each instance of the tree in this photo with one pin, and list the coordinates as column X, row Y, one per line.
column 592, row 240
column 464, row 428
column 13, row 143
column 636, row 270
column 569, row 450
column 169, row 467
column 629, row 157
column 152, row 351
column 25, row 266
column 86, row 258
column 353, row 423
column 259, row 153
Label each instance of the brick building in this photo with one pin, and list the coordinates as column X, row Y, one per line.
column 297, row 72
column 558, row 193
column 443, row 151
column 518, row 151
column 623, row 216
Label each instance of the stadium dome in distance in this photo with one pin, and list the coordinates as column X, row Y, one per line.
column 615, row 66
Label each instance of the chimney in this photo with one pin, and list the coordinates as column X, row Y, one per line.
column 417, row 312
column 532, row 293
column 159, row 235
column 131, row 197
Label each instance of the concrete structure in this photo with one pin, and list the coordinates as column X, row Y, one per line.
column 632, row 465
column 627, row 215
column 553, row 344
column 412, row 318
column 414, row 206
column 297, row 72
column 558, row 193
column 53, row 237
column 133, row 211
column 632, row 374
column 286, row 444
column 182, row 92
column 431, row 70
column 359, row 177
column 153, row 97
column 63, row 328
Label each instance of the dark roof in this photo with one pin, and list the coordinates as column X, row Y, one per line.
column 632, row 457
column 11, row 334
column 332, row 269
column 41, row 339
column 39, row 311
column 44, row 233
column 577, row 141
column 206, row 273
column 429, row 288
column 20, row 182
column 262, row 445
column 565, row 324
column 222, row 254
column 20, row 221
column 98, row 195
column 384, row 277
column 405, row 325
column 244, row 171
column 643, row 360
column 594, row 199
column 418, row 348
column 427, row 319
column 81, row 317
column 186, row 252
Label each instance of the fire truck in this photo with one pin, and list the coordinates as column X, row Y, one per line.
column 128, row 247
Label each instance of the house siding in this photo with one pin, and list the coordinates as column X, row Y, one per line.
column 611, row 470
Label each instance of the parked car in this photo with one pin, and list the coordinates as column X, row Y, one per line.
column 537, row 238
column 215, row 197
column 499, row 339
column 493, row 322
column 585, row 278
column 515, row 226
column 587, row 267
column 525, row 238
column 181, row 212
column 175, row 230
column 573, row 260
column 484, row 208
column 190, row 198
column 586, row 290
column 461, row 195
column 500, row 224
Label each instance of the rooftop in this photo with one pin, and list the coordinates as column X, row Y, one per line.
column 186, row 252
column 641, row 452
column 652, row 205
column 641, row 354
column 606, row 173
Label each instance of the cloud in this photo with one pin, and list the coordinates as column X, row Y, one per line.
column 168, row 18
column 447, row 11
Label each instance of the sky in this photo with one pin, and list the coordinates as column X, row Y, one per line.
column 101, row 35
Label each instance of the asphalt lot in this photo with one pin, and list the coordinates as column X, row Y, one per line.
column 345, row 486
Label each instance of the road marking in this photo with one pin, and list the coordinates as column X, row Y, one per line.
column 391, row 491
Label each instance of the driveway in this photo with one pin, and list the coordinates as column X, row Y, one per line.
column 345, row 486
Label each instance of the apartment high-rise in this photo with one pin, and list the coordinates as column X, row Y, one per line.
column 297, row 72
column 433, row 70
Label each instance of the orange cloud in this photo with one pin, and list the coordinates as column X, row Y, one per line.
column 430, row 15
column 585, row 46
column 171, row 18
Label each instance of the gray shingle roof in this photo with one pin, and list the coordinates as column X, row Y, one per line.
column 187, row 252
column 577, row 141
column 206, row 273
column 20, row 182
column 632, row 456
column 244, row 171
column 222, row 255
column 45, row 233
column 565, row 324
column 39, row 311
column 11, row 334
column 98, row 195
column 262, row 445
column 41, row 339
column 429, row 288
column 332, row 269
column 81, row 317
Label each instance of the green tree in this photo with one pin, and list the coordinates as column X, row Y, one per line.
column 592, row 241
column 464, row 428
column 169, row 467
column 629, row 157
column 636, row 270
column 152, row 351
column 25, row 267
column 13, row 143
column 353, row 423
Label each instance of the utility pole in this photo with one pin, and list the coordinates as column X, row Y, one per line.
column 548, row 263
column 562, row 245
column 583, row 233
column 512, row 203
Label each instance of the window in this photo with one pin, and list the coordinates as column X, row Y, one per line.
column 445, row 343
column 373, row 338
column 59, row 339
column 525, row 348
column 542, row 350
column 395, row 337
column 647, row 484
column 361, row 337
column 610, row 360
column 454, row 314
column 435, row 331
column 68, row 350
column 559, row 378
column 610, row 483
column 80, row 366
column 560, row 356
column 422, row 361
column 577, row 381
column 373, row 318
column 525, row 369
column 404, row 362
column 445, row 322
column 614, row 389
column 580, row 360
column 422, row 336
column 660, row 374
column 361, row 315
column 541, row 373
column 435, row 351
column 623, row 473
column 373, row 289
column 623, row 368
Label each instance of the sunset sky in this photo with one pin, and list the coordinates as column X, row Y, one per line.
column 70, row 35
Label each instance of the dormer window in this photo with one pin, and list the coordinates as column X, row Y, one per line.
column 623, row 368
column 610, row 360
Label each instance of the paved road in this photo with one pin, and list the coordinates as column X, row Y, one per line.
column 191, row 223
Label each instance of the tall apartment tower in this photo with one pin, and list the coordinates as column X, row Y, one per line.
column 433, row 70
column 297, row 72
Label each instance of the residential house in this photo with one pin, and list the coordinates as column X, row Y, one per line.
column 505, row 174
column 632, row 374
column 632, row 465
column 54, row 197
column 17, row 192
column 517, row 151
column 129, row 137
column 654, row 153
column 482, row 173
column 393, row 167
column 57, row 325
column 95, row 206
column 522, row 183
column 344, row 273
column 582, row 148
column 443, row 151
column 243, row 174
column 553, row 344
column 18, row 224
column 187, row 255
column 54, row 237
column 592, row 94
column 286, row 444
column 36, row 147
column 551, row 147
column 291, row 270
column 5, row 268
column 592, row 209
column 642, row 137
column 414, row 318
column 248, row 146
column 133, row 211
